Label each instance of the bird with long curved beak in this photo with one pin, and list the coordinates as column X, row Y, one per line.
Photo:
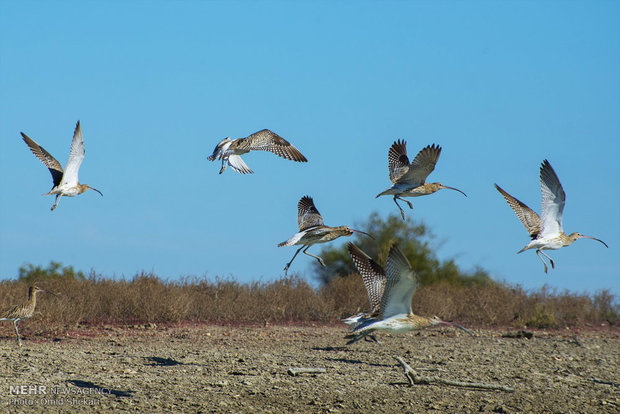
column 546, row 231
column 65, row 182
column 395, row 313
column 18, row 313
column 408, row 180
column 312, row 230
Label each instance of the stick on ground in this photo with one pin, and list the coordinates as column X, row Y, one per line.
column 415, row 378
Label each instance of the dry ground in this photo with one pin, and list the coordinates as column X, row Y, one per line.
column 206, row 368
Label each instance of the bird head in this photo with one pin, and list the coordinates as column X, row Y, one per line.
column 220, row 148
column 575, row 236
column 84, row 187
column 349, row 231
column 440, row 186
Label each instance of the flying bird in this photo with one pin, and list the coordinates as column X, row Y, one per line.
column 312, row 230
column 230, row 151
column 65, row 182
column 395, row 313
column 408, row 180
column 546, row 231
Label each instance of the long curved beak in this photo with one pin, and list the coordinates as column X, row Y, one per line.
column 359, row 231
column 94, row 189
column 47, row 291
column 594, row 238
column 454, row 325
column 452, row 188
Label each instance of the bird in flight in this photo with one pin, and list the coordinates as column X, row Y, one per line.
column 408, row 180
column 65, row 182
column 546, row 231
column 312, row 230
column 230, row 150
column 395, row 313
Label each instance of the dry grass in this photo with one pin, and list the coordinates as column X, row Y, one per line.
column 148, row 299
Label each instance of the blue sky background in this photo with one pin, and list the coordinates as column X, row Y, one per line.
column 499, row 85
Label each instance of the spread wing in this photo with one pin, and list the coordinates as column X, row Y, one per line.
column 528, row 217
column 46, row 158
column 307, row 214
column 76, row 156
column 400, row 285
column 553, row 199
column 422, row 165
column 398, row 162
column 373, row 275
column 266, row 140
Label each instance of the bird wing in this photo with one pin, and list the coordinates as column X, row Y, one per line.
column 76, row 156
column 307, row 214
column 528, row 217
column 398, row 162
column 373, row 275
column 422, row 165
column 400, row 285
column 46, row 158
column 266, row 140
column 553, row 200
column 237, row 164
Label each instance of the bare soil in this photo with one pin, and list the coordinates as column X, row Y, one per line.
column 209, row 368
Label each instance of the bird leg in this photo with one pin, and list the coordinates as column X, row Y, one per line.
column 294, row 256
column 402, row 213
column 224, row 164
column 538, row 252
column 550, row 259
column 316, row 257
column 19, row 340
column 56, row 201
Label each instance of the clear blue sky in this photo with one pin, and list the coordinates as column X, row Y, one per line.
column 499, row 85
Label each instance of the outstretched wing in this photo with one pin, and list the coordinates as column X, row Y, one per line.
column 422, row 165
column 266, row 140
column 400, row 285
column 46, row 158
column 528, row 217
column 553, row 200
column 76, row 156
column 307, row 214
column 398, row 162
column 373, row 275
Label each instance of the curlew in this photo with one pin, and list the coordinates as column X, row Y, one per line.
column 395, row 313
column 312, row 230
column 546, row 231
column 230, row 151
column 408, row 180
column 17, row 313
column 65, row 182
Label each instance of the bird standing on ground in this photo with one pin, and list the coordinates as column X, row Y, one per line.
column 230, row 151
column 395, row 313
column 17, row 313
column 408, row 180
column 65, row 182
column 312, row 230
column 546, row 232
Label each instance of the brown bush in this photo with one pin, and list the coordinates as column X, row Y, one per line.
column 148, row 299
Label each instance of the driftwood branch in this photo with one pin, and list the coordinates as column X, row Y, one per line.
column 296, row 371
column 415, row 378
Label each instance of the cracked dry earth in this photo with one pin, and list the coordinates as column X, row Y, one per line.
column 209, row 368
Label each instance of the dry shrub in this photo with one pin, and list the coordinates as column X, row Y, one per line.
column 346, row 296
column 148, row 299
